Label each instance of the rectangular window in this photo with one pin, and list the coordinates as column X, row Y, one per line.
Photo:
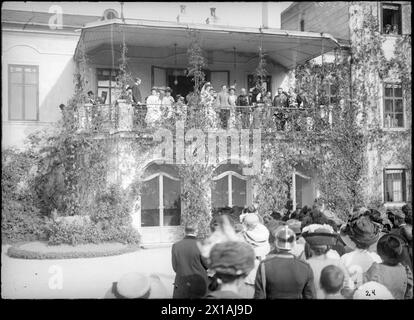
column 393, row 106
column 23, row 92
column 391, row 18
column 107, row 85
column 395, row 185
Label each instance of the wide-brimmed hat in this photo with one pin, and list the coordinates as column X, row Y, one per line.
column 168, row 89
column 232, row 258
column 360, row 230
column 285, row 238
column 136, row 285
column 154, row 88
column 319, row 235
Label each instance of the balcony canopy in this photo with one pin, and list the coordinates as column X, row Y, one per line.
column 287, row 48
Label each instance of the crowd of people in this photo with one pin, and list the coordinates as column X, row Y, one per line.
column 300, row 254
column 222, row 107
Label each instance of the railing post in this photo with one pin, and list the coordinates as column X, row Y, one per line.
column 125, row 116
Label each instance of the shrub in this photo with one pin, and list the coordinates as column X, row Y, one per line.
column 110, row 220
column 73, row 233
column 21, row 218
column 16, row 252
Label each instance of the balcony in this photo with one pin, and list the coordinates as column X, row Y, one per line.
column 123, row 117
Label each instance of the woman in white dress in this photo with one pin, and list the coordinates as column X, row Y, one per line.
column 153, row 107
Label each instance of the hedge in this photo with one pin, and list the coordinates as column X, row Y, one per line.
column 16, row 252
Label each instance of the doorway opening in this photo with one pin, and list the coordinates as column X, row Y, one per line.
column 180, row 85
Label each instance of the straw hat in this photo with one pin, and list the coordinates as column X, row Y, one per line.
column 136, row 285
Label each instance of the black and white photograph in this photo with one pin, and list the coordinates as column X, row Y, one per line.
column 205, row 151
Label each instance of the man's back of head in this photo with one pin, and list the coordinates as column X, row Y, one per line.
column 190, row 229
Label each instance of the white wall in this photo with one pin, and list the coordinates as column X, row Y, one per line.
column 247, row 14
column 53, row 55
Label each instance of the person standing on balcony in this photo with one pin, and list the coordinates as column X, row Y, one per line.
column 280, row 101
column 153, row 108
column 243, row 100
column 136, row 92
column 168, row 102
column 232, row 103
column 223, row 101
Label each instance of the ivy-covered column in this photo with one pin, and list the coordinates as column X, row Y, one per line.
column 196, row 196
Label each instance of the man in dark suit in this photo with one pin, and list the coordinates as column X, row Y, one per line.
column 281, row 100
column 282, row 275
column 136, row 93
column 190, row 267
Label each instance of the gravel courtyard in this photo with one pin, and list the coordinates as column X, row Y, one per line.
column 81, row 278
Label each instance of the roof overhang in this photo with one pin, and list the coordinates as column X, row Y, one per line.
column 287, row 48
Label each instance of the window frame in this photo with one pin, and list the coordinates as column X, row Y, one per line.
column 23, row 92
column 404, row 185
column 160, row 176
column 393, row 98
column 381, row 20
column 229, row 174
column 110, row 88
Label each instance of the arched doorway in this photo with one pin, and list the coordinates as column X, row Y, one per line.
column 230, row 188
column 160, row 209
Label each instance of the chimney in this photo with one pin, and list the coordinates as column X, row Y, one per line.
column 265, row 15
column 213, row 12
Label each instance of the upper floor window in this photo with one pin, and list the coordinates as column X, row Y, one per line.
column 23, row 92
column 302, row 25
column 395, row 185
column 391, row 18
column 393, row 106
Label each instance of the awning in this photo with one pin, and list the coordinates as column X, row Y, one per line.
column 287, row 48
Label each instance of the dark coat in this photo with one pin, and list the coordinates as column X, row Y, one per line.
column 405, row 234
column 287, row 277
column 190, row 270
column 281, row 101
column 136, row 94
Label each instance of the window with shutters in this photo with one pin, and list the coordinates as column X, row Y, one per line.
column 395, row 185
column 393, row 106
column 23, row 92
column 391, row 18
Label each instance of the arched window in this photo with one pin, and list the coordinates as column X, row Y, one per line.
column 160, row 196
column 229, row 187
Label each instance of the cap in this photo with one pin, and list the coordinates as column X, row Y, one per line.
column 285, row 238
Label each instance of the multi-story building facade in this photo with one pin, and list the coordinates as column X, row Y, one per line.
column 388, row 171
column 41, row 49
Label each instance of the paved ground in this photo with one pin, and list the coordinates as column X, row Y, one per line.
column 81, row 278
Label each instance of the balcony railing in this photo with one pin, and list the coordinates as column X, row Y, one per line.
column 122, row 116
